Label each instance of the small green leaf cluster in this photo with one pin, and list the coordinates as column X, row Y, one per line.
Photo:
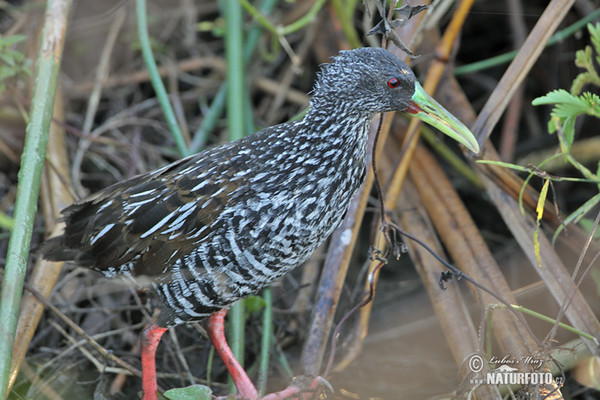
column 13, row 63
column 583, row 59
column 567, row 108
column 570, row 105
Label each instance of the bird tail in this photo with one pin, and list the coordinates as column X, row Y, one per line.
column 54, row 249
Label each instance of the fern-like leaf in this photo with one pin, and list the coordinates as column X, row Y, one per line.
column 566, row 104
column 567, row 107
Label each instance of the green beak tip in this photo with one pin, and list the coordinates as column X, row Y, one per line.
column 430, row 111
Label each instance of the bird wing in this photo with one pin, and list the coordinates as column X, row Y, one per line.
column 144, row 224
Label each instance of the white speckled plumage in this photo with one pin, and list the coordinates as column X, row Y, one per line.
column 220, row 225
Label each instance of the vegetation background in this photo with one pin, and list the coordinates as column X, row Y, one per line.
column 232, row 67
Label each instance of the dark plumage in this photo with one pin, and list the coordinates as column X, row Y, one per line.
column 214, row 227
column 219, row 225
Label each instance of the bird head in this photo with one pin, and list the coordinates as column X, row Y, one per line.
column 372, row 80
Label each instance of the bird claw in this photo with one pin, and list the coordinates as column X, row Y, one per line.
column 298, row 389
column 319, row 381
column 313, row 383
column 301, row 388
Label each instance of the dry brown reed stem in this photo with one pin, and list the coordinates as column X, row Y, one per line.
column 449, row 304
column 520, row 67
column 190, row 64
column 553, row 272
column 461, row 237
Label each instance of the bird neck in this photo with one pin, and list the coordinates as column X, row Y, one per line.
column 338, row 126
column 334, row 141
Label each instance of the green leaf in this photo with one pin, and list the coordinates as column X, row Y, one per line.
column 595, row 37
column 593, row 100
column 553, row 125
column 569, row 131
column 583, row 58
column 12, row 39
column 8, row 58
column 553, row 97
column 570, row 109
column 504, row 164
column 193, row 392
column 580, row 81
column 567, row 108
column 540, row 213
column 567, row 105
column 254, row 303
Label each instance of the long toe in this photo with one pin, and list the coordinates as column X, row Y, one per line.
column 302, row 389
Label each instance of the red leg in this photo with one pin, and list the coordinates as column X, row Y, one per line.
column 150, row 340
column 246, row 390
column 244, row 385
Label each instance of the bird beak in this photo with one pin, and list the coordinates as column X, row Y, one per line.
column 424, row 107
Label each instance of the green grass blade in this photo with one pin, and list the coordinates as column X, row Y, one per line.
column 210, row 119
column 545, row 318
column 576, row 215
column 265, row 345
column 235, row 69
column 216, row 107
column 157, row 83
column 235, row 123
column 308, row 18
column 32, row 163
column 346, row 17
column 236, row 324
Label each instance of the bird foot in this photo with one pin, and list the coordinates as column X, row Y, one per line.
column 301, row 389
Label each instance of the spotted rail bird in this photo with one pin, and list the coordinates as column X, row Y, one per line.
column 220, row 225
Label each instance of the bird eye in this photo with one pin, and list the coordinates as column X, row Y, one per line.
column 393, row 83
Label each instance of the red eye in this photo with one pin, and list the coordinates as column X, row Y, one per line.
column 393, row 83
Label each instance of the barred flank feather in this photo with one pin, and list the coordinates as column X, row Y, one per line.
column 220, row 225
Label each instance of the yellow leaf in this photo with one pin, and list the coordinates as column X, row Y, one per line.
column 542, row 200
column 540, row 213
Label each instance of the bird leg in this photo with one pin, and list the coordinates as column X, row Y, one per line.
column 150, row 340
column 244, row 385
column 216, row 332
